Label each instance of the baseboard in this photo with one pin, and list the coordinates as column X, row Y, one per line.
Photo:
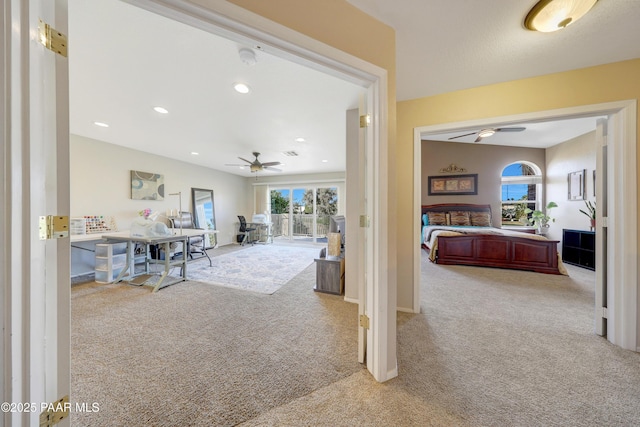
column 352, row 300
column 405, row 310
column 637, row 349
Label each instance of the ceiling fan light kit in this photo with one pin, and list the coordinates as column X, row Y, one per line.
column 552, row 15
column 257, row 165
column 487, row 132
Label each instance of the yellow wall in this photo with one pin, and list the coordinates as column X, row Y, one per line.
column 612, row 82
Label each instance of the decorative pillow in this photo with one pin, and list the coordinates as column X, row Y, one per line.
column 437, row 218
column 481, row 219
column 459, row 218
column 425, row 219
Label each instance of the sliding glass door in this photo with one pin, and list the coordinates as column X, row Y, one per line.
column 302, row 213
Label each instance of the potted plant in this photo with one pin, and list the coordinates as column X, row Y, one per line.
column 590, row 212
column 541, row 219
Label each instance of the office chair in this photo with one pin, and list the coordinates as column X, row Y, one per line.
column 245, row 230
column 195, row 244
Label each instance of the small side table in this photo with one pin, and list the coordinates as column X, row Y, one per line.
column 330, row 275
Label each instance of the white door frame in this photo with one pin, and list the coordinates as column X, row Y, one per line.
column 35, row 286
column 235, row 23
column 622, row 274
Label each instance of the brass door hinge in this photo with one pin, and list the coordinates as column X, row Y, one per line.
column 364, row 221
column 364, row 321
column 53, row 227
column 55, row 412
column 365, row 120
column 52, row 39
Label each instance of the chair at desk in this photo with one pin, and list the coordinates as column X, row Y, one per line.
column 196, row 243
column 245, row 231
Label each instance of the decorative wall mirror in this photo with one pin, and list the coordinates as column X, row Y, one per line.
column 204, row 214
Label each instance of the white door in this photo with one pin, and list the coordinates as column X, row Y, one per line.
column 364, row 344
column 601, row 230
column 35, row 137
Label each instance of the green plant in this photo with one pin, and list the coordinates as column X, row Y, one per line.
column 591, row 209
column 539, row 218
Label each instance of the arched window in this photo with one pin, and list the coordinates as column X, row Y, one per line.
column 521, row 187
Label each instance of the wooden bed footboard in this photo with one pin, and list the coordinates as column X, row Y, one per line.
column 499, row 251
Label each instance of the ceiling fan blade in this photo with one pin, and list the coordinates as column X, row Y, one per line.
column 234, row 164
column 478, row 139
column 270, row 164
column 510, row 129
column 460, row 136
column 245, row 160
column 271, row 169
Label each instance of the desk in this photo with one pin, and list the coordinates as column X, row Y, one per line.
column 180, row 236
column 263, row 230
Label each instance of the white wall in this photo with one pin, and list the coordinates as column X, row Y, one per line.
column 101, row 185
column 570, row 156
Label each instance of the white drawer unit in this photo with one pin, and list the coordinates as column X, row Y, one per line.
column 111, row 259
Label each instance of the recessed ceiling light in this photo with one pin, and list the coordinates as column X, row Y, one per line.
column 161, row 110
column 325, row 161
column 241, row 88
column 195, row 153
column 299, row 139
column 101, row 124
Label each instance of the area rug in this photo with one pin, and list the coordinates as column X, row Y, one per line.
column 260, row 268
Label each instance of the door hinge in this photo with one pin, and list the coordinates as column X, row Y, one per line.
column 53, row 227
column 604, row 312
column 605, row 221
column 365, row 121
column 52, row 39
column 364, row 221
column 55, row 412
column 364, row 321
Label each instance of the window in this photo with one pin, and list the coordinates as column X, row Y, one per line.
column 521, row 185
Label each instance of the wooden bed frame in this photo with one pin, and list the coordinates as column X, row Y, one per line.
column 489, row 250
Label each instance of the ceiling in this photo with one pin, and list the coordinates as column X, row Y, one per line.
column 442, row 46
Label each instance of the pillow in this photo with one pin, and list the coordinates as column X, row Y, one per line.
column 437, row 218
column 481, row 219
column 425, row 219
column 459, row 218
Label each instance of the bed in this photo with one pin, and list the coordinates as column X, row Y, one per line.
column 462, row 234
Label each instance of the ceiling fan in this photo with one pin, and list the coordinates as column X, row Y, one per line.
column 256, row 165
column 484, row 133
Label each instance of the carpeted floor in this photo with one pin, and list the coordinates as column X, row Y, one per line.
column 259, row 268
column 490, row 348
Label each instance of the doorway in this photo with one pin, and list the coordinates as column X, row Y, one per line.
column 619, row 275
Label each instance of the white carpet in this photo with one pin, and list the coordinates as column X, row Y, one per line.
column 260, row 268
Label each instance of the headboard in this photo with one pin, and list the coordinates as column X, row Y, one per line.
column 457, row 207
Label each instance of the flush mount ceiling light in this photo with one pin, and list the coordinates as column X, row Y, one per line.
column 241, row 88
column 101, row 124
column 161, row 110
column 552, row 15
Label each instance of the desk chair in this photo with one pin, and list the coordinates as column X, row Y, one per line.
column 245, row 231
column 195, row 244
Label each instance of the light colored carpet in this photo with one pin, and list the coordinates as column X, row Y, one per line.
column 490, row 348
column 260, row 268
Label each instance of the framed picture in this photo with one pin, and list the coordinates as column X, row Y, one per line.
column 577, row 185
column 461, row 185
column 147, row 186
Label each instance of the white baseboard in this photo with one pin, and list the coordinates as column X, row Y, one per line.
column 406, row 310
column 351, row 300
